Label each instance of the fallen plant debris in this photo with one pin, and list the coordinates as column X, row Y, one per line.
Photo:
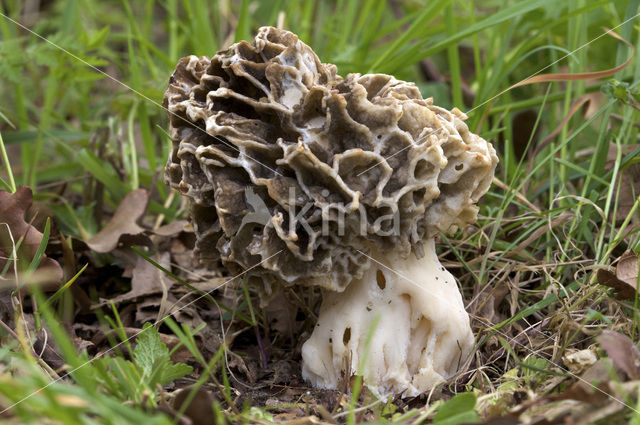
column 622, row 351
column 196, row 403
column 21, row 236
column 146, row 279
column 355, row 215
column 548, row 273
column 625, row 280
column 122, row 228
column 627, row 269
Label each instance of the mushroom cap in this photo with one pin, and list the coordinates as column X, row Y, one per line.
column 293, row 172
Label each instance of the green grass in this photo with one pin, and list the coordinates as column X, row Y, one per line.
column 82, row 142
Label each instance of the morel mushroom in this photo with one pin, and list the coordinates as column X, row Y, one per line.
column 297, row 176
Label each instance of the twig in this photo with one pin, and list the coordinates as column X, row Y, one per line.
column 518, row 195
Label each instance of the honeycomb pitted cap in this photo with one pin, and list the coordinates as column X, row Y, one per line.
column 295, row 172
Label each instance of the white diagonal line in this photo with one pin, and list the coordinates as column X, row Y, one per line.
column 505, row 90
column 98, row 70
column 189, row 123
column 136, row 334
column 233, row 147
column 503, row 334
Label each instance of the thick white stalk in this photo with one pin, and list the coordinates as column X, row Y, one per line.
column 422, row 335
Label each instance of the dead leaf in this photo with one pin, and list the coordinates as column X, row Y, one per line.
column 147, row 279
column 180, row 355
column 183, row 256
column 608, row 279
column 593, row 386
column 627, row 269
column 248, row 369
column 200, row 409
column 281, row 314
column 597, row 374
column 622, row 351
column 487, row 305
column 13, row 208
column 122, row 228
column 625, row 280
column 154, row 307
column 171, row 229
column 283, row 372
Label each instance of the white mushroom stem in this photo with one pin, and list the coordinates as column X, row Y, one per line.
column 412, row 311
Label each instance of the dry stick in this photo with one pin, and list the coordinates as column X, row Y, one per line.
column 554, row 77
column 559, row 77
column 633, row 102
column 562, row 218
column 518, row 195
column 546, row 78
column 621, row 118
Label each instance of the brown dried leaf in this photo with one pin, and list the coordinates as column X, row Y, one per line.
column 13, row 207
column 184, row 257
column 46, row 349
column 487, row 305
column 248, row 368
column 623, row 291
column 182, row 354
column 281, row 314
column 593, row 386
column 625, row 280
column 622, row 351
column 627, row 269
column 200, row 409
column 171, row 229
column 151, row 308
column 148, row 278
column 122, row 228
column 284, row 372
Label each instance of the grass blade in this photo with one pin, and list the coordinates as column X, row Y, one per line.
column 11, row 185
